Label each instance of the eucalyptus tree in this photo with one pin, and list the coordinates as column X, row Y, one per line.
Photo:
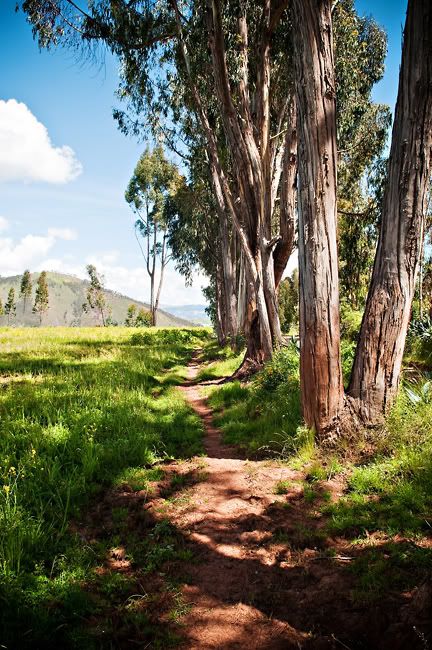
column 95, row 295
column 154, row 180
column 41, row 303
column 196, row 243
column 379, row 352
column 238, row 94
column 157, row 45
column 10, row 305
column 25, row 288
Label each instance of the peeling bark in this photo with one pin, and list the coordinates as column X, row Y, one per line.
column 378, row 359
column 320, row 364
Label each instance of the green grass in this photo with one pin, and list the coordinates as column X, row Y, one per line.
column 387, row 497
column 264, row 415
column 80, row 410
column 220, row 362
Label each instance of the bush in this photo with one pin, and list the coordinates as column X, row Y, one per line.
column 283, row 366
column 170, row 335
column 419, row 341
column 348, row 349
column 350, row 322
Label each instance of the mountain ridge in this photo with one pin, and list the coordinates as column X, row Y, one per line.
column 67, row 293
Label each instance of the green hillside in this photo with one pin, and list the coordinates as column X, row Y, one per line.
column 66, row 297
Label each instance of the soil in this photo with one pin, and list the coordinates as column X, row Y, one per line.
column 264, row 577
column 264, row 574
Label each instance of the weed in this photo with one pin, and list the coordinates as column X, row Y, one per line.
column 282, row 487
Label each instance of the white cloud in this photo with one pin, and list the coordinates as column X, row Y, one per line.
column 133, row 282
column 27, row 253
column 4, row 224
column 26, row 151
column 63, row 233
column 15, row 257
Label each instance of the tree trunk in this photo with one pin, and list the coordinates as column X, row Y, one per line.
column 378, row 359
column 220, row 307
column 229, row 287
column 320, row 364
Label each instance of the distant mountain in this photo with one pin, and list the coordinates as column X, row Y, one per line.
column 67, row 294
column 194, row 313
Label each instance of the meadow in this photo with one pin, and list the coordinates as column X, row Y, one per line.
column 80, row 410
column 95, row 449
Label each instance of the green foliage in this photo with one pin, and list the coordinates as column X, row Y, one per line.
column 160, row 336
column 264, row 416
column 25, row 288
column 283, row 367
column 224, row 361
column 348, row 349
column 393, row 491
column 10, row 305
column 138, row 318
column 397, row 566
column 78, row 413
column 288, row 302
column 41, row 303
column 96, row 294
column 350, row 322
column 362, row 125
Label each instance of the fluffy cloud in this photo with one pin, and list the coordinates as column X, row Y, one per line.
column 15, row 256
column 26, row 151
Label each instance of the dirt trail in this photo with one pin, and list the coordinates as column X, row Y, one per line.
column 248, row 588
column 259, row 571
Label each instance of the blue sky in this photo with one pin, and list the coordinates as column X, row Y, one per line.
column 62, row 226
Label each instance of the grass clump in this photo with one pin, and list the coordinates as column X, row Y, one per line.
column 393, row 491
column 264, row 415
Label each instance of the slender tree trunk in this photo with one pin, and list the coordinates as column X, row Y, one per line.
column 221, row 319
column 320, row 364
column 378, row 359
column 229, row 288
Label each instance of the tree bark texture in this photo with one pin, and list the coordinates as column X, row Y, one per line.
column 249, row 142
column 320, row 364
column 378, row 359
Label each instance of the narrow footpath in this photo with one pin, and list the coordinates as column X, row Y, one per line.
column 260, row 579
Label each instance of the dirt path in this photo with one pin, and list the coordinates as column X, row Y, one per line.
column 214, row 557
column 249, row 588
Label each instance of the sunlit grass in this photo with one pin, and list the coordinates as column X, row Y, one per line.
column 80, row 409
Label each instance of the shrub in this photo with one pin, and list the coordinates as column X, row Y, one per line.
column 170, row 335
column 350, row 323
column 283, row 366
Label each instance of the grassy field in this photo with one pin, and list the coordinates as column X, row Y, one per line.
column 87, row 419
column 80, row 410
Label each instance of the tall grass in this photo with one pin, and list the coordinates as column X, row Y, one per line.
column 78, row 407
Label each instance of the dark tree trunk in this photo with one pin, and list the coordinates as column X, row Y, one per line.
column 320, row 365
column 228, row 281
column 220, row 324
column 378, row 359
